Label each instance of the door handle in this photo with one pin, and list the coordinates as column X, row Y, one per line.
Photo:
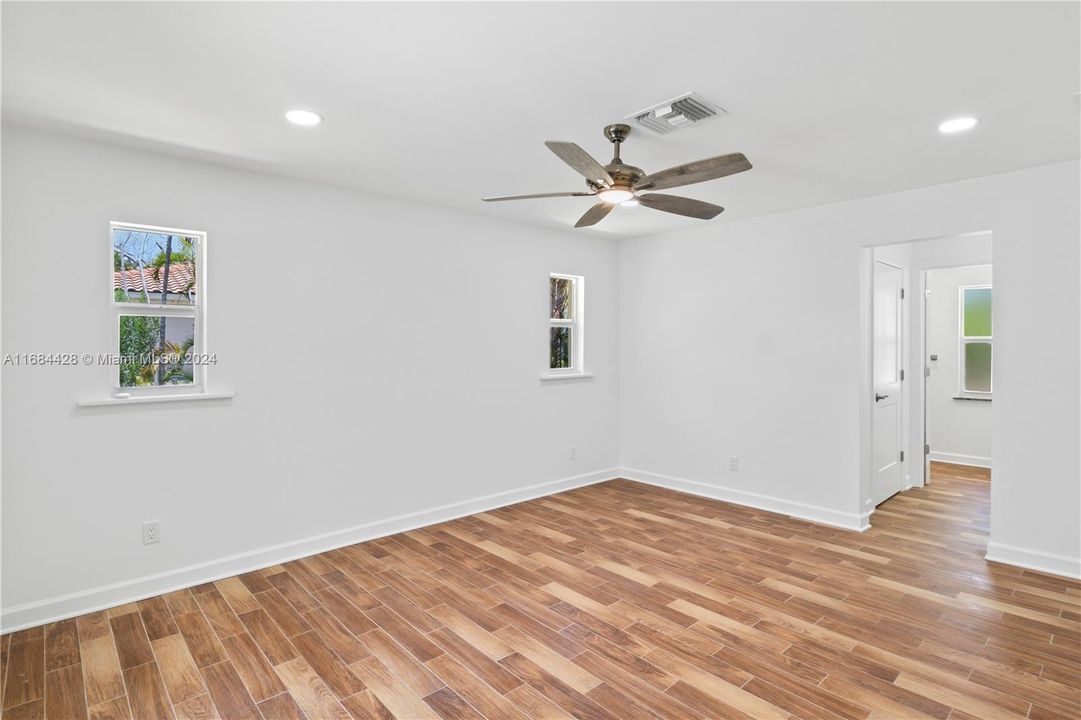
column 880, row 397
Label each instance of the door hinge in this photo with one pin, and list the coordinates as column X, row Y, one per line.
column 926, row 372
column 902, row 376
column 926, row 449
column 902, row 293
column 902, row 456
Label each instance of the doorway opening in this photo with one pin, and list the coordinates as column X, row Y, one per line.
column 959, row 342
column 928, row 355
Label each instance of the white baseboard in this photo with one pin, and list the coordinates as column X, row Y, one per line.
column 959, row 459
column 1034, row 560
column 803, row 511
column 106, row 596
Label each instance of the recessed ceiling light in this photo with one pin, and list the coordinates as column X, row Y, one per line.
column 305, row 118
column 959, row 124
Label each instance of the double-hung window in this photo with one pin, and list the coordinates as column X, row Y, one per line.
column 565, row 324
column 976, row 350
column 158, row 305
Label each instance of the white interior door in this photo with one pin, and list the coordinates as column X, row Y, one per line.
column 887, row 416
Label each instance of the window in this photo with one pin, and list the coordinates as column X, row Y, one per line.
column 976, row 341
column 158, row 306
column 565, row 343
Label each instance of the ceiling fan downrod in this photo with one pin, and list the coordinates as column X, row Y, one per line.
column 616, row 134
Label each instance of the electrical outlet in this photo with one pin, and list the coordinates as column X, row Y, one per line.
column 574, row 451
column 733, row 463
column 151, row 533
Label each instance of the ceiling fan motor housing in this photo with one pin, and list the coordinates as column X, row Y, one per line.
column 624, row 175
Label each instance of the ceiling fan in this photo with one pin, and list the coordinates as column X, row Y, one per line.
column 617, row 182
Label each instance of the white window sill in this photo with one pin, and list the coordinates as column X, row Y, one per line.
column 149, row 399
column 566, row 376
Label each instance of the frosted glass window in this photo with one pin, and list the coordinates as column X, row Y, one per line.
column 978, row 367
column 976, row 343
column 977, row 312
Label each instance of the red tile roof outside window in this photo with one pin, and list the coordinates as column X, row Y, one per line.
column 181, row 279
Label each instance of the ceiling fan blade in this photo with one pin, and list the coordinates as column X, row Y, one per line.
column 696, row 172
column 681, row 206
column 537, row 195
column 595, row 214
column 580, row 160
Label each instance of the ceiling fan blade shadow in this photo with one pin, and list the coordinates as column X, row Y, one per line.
column 697, row 171
column 580, row 160
column 681, row 206
column 595, row 214
column 500, row 198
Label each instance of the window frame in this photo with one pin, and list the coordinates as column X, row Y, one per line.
column 196, row 311
column 965, row 340
column 576, row 323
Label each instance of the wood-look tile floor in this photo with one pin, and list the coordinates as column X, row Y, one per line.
column 617, row 600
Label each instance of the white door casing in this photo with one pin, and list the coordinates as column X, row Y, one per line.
column 887, row 416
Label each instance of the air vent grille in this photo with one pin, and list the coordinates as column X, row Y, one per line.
column 678, row 113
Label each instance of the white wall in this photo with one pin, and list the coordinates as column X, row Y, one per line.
column 401, row 394
column 395, row 372
column 743, row 339
column 957, row 430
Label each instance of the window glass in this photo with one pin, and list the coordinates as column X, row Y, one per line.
column 562, row 298
column 977, row 367
column 559, row 347
column 155, row 268
column 156, row 350
column 977, row 312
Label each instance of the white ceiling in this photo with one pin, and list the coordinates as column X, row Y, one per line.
column 446, row 102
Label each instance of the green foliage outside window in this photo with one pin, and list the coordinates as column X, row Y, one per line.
column 560, row 347
column 147, row 359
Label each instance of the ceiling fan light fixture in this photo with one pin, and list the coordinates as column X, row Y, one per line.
column 614, row 196
column 633, row 202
